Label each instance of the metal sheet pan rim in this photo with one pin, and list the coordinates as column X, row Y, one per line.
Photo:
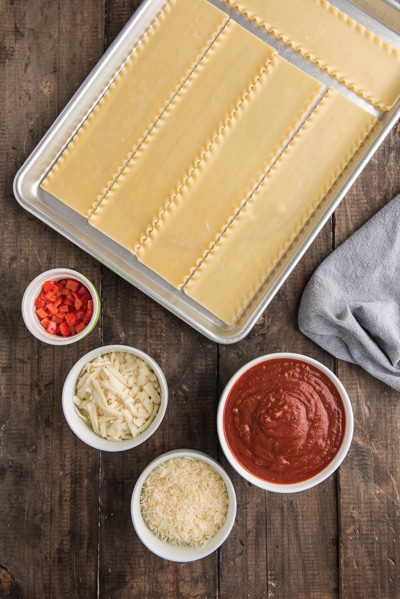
column 27, row 180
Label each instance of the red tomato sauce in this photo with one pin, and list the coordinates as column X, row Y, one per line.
column 284, row 420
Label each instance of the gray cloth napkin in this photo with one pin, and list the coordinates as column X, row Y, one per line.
column 351, row 304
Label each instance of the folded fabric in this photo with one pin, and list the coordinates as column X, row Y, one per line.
column 351, row 304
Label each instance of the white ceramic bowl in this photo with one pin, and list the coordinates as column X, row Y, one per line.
column 302, row 485
column 33, row 290
column 175, row 553
column 85, row 432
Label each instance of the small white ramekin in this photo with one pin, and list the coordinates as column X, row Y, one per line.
column 33, row 290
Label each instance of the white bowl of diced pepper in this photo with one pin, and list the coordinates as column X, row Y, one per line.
column 60, row 306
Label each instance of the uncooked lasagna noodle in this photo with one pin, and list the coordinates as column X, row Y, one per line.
column 326, row 36
column 147, row 82
column 223, row 176
column 249, row 249
column 207, row 154
column 182, row 135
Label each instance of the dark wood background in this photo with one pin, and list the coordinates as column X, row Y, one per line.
column 65, row 529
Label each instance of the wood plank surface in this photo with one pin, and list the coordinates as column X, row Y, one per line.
column 65, row 528
column 369, row 512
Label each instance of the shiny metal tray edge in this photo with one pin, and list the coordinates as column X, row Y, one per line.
column 29, row 195
column 385, row 11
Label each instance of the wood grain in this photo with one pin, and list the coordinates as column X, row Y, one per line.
column 65, row 528
column 369, row 498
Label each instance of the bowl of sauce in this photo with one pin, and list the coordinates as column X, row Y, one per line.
column 285, row 422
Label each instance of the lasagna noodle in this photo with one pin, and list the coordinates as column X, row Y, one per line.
column 252, row 245
column 261, row 124
column 181, row 136
column 323, row 34
column 139, row 93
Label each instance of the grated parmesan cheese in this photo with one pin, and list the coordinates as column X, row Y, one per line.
column 184, row 501
column 117, row 394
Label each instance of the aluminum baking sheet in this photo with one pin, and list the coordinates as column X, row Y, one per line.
column 383, row 20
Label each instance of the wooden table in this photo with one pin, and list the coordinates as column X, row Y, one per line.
column 65, row 529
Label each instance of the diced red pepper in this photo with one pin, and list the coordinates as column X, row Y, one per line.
column 52, row 308
column 64, row 307
column 51, row 327
column 50, row 296
column 71, row 319
column 48, row 286
column 39, row 302
column 41, row 312
column 64, row 329
column 57, row 319
column 87, row 316
column 69, row 301
column 72, row 284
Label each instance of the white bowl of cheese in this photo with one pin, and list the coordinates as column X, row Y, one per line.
column 115, row 397
column 183, row 506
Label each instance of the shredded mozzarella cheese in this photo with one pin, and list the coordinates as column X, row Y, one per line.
column 117, row 394
column 184, row 501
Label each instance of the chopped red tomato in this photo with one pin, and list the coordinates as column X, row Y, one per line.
column 64, row 307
